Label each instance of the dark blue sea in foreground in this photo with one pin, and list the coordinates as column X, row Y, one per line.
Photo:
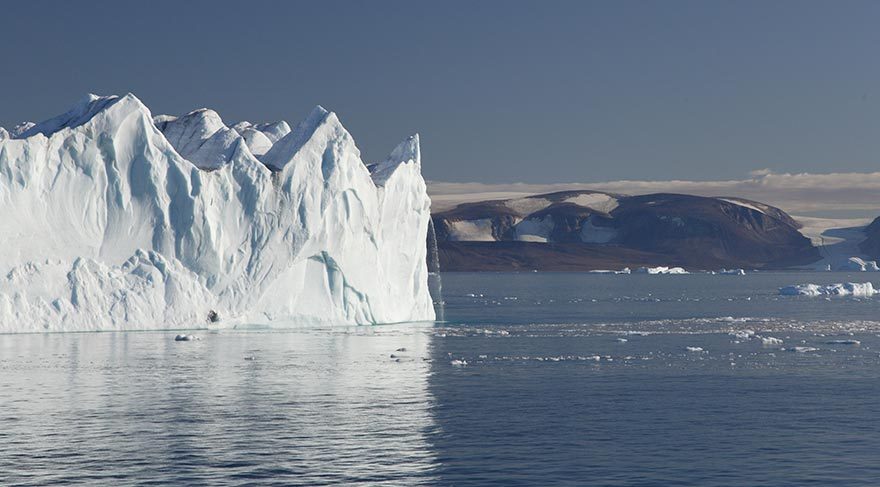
column 535, row 379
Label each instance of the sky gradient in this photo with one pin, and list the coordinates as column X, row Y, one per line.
column 538, row 92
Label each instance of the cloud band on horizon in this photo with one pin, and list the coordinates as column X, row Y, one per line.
column 839, row 195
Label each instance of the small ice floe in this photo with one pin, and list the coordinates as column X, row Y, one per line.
column 844, row 342
column 863, row 289
column 732, row 272
column 771, row 341
column 625, row 270
column 622, row 340
column 802, row 349
column 185, row 338
column 401, row 349
column 742, row 334
column 694, row 349
column 458, row 363
column 250, row 357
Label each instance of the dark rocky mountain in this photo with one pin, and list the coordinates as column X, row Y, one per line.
column 871, row 245
column 585, row 230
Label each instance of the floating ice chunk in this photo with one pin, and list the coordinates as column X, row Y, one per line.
column 843, row 342
column 742, row 334
column 732, row 272
column 184, row 338
column 694, row 349
column 660, row 270
column 803, row 349
column 622, row 340
column 771, row 341
column 864, row 289
column 625, row 270
column 458, row 363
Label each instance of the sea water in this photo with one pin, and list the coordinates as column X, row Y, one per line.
column 534, row 379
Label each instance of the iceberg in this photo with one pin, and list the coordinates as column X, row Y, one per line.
column 660, row 270
column 858, row 265
column 117, row 220
column 861, row 289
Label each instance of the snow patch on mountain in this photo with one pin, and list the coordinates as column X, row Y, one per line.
column 535, row 229
column 745, row 204
column 471, row 230
column 526, row 206
column 596, row 201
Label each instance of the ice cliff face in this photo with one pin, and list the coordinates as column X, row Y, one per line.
column 116, row 220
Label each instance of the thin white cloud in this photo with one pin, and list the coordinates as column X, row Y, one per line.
column 854, row 195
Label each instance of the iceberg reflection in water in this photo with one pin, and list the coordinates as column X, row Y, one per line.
column 305, row 407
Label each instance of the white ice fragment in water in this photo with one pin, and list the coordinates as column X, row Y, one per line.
column 184, row 338
column 771, row 341
column 844, row 342
column 694, row 349
column 458, row 363
column 803, row 349
column 742, row 334
column 622, row 340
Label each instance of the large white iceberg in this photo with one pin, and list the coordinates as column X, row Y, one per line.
column 109, row 223
column 862, row 289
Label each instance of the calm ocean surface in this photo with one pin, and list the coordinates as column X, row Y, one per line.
column 534, row 379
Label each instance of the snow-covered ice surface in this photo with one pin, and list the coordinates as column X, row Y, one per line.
column 115, row 221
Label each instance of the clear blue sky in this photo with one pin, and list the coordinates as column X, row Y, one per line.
column 500, row 91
